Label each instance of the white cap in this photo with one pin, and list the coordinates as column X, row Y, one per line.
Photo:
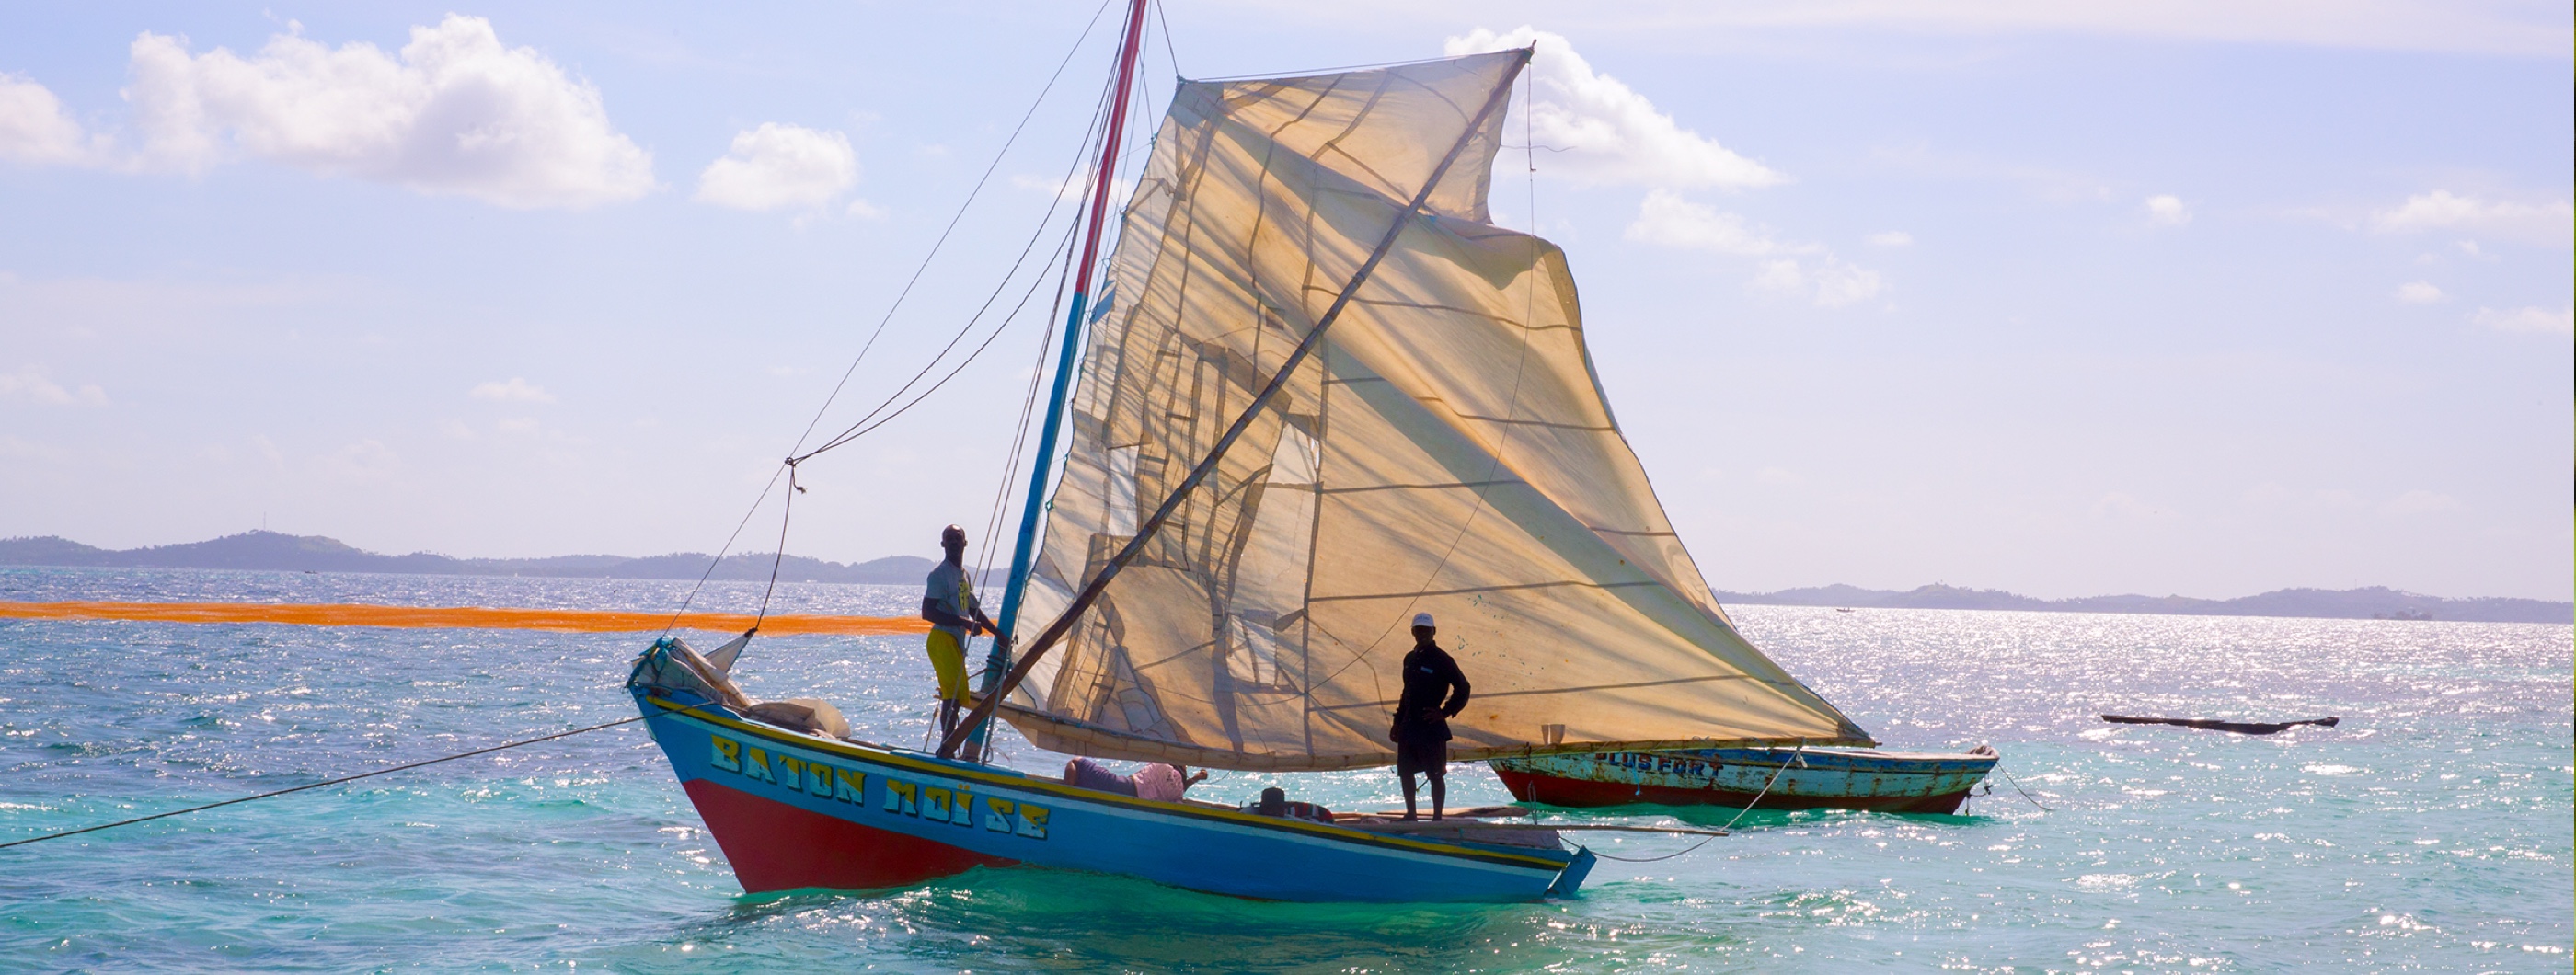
column 1422, row 619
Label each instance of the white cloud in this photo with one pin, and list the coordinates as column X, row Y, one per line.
column 863, row 210
column 1833, row 282
column 2543, row 223
column 456, row 113
column 517, row 390
column 1780, row 275
column 2167, row 211
column 35, row 129
column 1891, row 238
column 31, row 385
column 2562, row 321
column 2418, row 293
column 2419, row 502
column 1666, row 218
column 1604, row 131
column 1839, row 284
column 777, row 166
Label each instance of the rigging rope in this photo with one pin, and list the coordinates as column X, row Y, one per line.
column 998, row 329
column 1167, row 39
column 854, row 430
column 316, row 785
column 909, row 284
column 952, row 222
column 692, row 597
column 1037, row 373
column 785, row 512
column 1020, row 439
column 793, row 490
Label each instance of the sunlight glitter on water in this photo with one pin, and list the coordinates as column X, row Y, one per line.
column 2432, row 829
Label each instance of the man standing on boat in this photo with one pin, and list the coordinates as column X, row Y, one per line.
column 954, row 616
column 1421, row 731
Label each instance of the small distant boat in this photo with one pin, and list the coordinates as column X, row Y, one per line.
column 1763, row 778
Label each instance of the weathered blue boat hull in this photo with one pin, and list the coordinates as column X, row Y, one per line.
column 794, row 810
column 1767, row 778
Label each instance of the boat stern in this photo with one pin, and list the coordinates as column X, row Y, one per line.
column 1570, row 879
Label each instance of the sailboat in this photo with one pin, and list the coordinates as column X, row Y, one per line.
column 1332, row 394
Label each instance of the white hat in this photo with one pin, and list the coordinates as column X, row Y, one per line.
column 1422, row 619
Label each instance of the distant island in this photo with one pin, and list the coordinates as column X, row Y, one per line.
column 2374, row 602
column 279, row 552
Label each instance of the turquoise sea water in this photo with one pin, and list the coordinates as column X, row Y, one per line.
column 2431, row 831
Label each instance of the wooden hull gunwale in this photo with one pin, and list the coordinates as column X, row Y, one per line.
column 1816, row 779
column 863, row 817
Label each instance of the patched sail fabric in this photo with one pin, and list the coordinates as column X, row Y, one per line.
column 1446, row 450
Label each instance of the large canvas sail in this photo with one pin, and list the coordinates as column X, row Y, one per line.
column 1446, row 450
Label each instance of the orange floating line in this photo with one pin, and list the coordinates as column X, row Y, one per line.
column 457, row 618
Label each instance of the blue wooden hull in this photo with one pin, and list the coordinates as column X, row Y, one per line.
column 794, row 810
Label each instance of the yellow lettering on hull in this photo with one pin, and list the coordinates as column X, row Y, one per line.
column 953, row 804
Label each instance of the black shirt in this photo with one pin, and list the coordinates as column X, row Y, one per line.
column 1429, row 676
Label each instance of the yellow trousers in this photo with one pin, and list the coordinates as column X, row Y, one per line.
column 949, row 660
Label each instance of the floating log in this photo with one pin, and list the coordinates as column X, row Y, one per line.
column 2239, row 727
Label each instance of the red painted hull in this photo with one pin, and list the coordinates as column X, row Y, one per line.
column 1560, row 791
column 774, row 846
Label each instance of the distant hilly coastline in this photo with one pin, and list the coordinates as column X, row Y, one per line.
column 279, row 552
column 2375, row 602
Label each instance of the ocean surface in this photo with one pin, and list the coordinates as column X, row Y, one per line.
column 2430, row 832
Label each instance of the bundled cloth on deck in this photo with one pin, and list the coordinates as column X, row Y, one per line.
column 670, row 665
column 1156, row 781
column 804, row 714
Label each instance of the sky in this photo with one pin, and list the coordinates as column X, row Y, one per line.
column 2196, row 298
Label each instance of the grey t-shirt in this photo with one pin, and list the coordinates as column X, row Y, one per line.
column 948, row 591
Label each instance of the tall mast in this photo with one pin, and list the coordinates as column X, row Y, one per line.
column 1026, row 548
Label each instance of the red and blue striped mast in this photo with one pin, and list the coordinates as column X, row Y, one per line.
column 1025, row 549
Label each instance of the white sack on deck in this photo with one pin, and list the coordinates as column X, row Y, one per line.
column 1446, row 450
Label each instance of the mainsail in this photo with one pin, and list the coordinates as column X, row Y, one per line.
column 1447, row 449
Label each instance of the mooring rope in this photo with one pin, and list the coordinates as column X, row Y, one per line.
column 2016, row 784
column 1729, row 828
column 317, row 785
column 1766, row 787
column 1685, row 851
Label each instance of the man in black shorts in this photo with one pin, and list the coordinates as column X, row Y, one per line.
column 1421, row 731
